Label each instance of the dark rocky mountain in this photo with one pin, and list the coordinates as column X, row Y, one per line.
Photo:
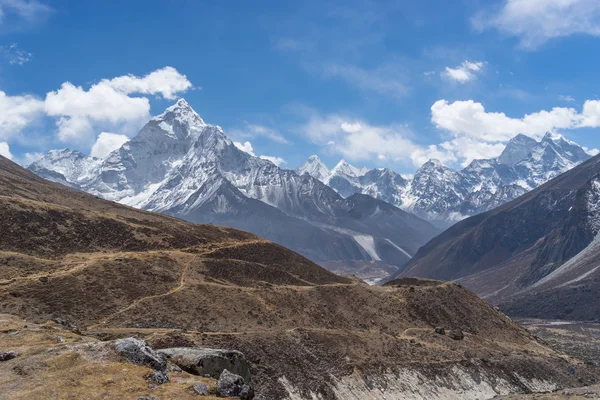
column 442, row 195
column 181, row 166
column 535, row 256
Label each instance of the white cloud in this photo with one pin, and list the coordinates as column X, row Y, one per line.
column 566, row 98
column 15, row 55
column 5, row 150
column 28, row 10
column 17, row 112
column 166, row 82
column 535, row 22
column 108, row 105
column 476, row 133
column 246, row 147
column 385, row 80
column 469, row 132
column 357, row 140
column 254, row 130
column 470, row 118
column 465, row 72
column 275, row 160
column 29, row 158
column 106, row 143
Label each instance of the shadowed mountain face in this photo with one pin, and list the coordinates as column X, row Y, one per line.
column 180, row 166
column 115, row 271
column 536, row 256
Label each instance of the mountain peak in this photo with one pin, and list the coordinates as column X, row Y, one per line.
column 517, row 149
column 181, row 111
column 315, row 168
column 344, row 168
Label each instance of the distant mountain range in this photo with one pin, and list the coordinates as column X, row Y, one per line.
column 181, row 166
column 537, row 256
column 442, row 195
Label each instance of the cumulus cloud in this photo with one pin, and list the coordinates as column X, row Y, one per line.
column 106, row 143
column 5, row 150
column 465, row 72
column 535, row 22
column 477, row 133
column 275, row 160
column 108, row 104
column 17, row 112
column 167, row 82
column 29, row 158
column 470, row 118
column 469, row 132
column 245, row 147
column 358, row 140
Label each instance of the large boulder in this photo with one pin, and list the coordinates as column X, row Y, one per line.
column 9, row 355
column 138, row 352
column 232, row 385
column 202, row 361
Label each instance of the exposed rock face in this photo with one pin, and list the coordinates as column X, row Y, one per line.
column 138, row 352
column 232, row 385
column 200, row 389
column 456, row 334
column 8, row 355
column 211, row 362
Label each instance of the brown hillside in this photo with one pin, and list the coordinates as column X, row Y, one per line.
column 114, row 271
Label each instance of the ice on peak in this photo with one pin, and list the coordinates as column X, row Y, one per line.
column 344, row 168
column 182, row 111
column 435, row 162
column 315, row 168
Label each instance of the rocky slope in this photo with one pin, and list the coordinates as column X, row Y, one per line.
column 181, row 166
column 306, row 332
column 536, row 256
column 444, row 196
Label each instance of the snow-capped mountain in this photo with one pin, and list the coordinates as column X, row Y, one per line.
column 181, row 166
column 444, row 196
column 315, row 168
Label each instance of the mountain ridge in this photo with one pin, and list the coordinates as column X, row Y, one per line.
column 181, row 166
column 443, row 196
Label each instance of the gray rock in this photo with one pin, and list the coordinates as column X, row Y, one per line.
column 151, row 397
column 456, row 334
column 212, row 362
column 138, row 352
column 159, row 377
column 200, row 389
column 232, row 385
column 9, row 355
column 440, row 330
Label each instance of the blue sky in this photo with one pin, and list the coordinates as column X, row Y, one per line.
column 378, row 83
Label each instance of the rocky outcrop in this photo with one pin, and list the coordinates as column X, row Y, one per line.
column 212, row 362
column 138, row 352
column 8, row 355
column 232, row 385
